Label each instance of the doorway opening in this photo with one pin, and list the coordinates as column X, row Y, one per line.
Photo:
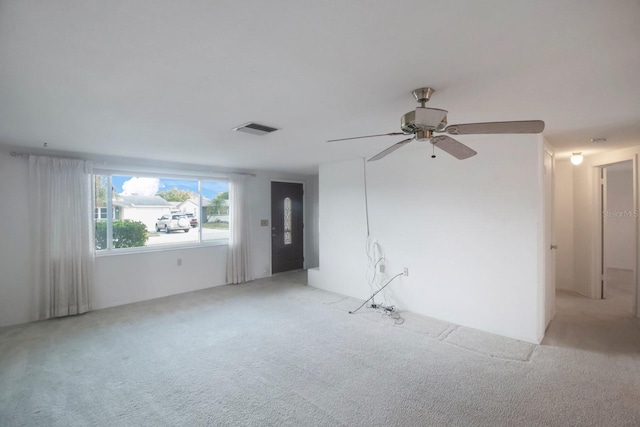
column 618, row 237
column 605, row 196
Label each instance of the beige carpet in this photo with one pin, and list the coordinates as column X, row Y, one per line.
column 605, row 326
column 275, row 352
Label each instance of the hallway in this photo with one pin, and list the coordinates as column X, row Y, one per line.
column 605, row 326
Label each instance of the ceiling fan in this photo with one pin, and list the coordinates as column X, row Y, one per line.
column 423, row 123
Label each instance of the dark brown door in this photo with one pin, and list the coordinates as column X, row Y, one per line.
column 286, row 227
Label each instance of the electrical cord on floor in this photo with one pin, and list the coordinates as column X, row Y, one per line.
column 397, row 319
column 376, row 292
column 388, row 311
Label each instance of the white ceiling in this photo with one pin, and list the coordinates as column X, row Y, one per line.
column 168, row 80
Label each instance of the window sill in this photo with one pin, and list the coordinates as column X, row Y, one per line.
column 163, row 248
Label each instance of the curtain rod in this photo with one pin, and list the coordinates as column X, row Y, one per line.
column 161, row 170
column 17, row 154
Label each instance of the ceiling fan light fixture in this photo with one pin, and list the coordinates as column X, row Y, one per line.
column 577, row 158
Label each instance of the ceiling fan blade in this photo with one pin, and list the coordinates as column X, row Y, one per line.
column 390, row 150
column 453, row 147
column 368, row 136
column 525, row 126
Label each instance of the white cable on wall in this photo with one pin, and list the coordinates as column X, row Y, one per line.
column 366, row 198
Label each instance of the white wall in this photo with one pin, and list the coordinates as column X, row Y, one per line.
column 343, row 230
column 619, row 242
column 260, row 208
column 585, row 215
column 126, row 278
column 564, row 224
column 311, row 214
column 16, row 292
column 469, row 231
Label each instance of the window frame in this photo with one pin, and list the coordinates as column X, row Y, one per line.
column 110, row 250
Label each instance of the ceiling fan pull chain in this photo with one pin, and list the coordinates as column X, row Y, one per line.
column 433, row 147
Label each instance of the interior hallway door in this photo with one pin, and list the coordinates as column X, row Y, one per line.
column 287, row 228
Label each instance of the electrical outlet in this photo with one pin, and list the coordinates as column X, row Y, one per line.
column 406, row 271
column 381, row 268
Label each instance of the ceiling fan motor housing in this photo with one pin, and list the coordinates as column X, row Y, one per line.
column 423, row 118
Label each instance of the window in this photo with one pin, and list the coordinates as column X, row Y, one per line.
column 100, row 213
column 139, row 212
column 287, row 221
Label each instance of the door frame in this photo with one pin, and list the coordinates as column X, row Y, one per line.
column 598, row 255
column 549, row 238
column 304, row 232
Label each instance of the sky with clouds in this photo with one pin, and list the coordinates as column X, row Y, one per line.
column 144, row 186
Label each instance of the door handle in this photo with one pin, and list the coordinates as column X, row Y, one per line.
column 554, row 246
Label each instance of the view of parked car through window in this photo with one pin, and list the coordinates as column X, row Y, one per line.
column 173, row 222
column 150, row 211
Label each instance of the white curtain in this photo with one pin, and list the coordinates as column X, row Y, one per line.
column 61, row 221
column 238, row 257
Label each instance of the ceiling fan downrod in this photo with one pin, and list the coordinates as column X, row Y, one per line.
column 423, row 95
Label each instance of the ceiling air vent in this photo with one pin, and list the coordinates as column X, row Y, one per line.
column 255, row 128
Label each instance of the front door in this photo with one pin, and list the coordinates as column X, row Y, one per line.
column 286, row 227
